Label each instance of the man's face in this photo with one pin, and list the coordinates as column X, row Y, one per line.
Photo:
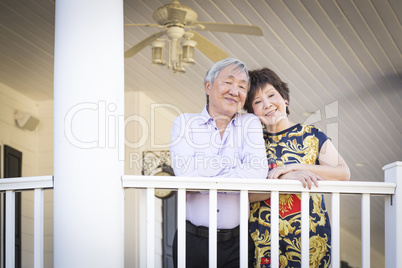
column 228, row 93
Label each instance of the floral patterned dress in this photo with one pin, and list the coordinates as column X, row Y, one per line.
column 298, row 144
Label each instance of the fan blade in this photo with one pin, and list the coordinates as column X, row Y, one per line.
column 176, row 14
column 208, row 48
column 135, row 49
column 228, row 28
column 145, row 24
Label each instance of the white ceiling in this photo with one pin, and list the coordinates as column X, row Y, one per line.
column 341, row 58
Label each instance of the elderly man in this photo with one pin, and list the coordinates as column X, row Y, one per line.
column 218, row 142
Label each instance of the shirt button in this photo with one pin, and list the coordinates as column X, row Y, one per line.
column 217, row 211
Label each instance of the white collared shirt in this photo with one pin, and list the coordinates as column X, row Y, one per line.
column 197, row 150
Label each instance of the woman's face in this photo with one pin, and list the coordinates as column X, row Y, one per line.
column 269, row 106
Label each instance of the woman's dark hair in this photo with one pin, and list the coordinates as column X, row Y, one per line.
column 258, row 80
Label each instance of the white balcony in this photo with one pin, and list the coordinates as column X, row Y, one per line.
column 388, row 188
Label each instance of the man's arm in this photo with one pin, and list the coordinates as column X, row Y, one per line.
column 251, row 163
column 254, row 163
column 185, row 161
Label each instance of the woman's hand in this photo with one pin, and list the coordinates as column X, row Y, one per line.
column 307, row 178
column 278, row 171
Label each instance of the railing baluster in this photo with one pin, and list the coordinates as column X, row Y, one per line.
column 2, row 230
column 330, row 187
column 305, row 229
column 10, row 185
column 212, row 228
column 181, row 226
column 244, row 214
column 10, row 229
column 335, row 232
column 150, row 227
column 38, row 228
column 365, row 221
column 274, row 229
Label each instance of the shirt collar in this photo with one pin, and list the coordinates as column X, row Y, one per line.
column 206, row 117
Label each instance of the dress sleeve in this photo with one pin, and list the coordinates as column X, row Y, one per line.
column 322, row 137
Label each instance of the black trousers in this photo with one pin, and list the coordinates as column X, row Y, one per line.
column 228, row 255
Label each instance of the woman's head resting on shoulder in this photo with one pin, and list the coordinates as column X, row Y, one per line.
column 258, row 80
column 268, row 97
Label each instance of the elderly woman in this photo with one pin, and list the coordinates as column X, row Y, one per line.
column 295, row 152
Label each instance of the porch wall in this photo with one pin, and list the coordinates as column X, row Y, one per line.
column 10, row 134
column 159, row 122
column 26, row 142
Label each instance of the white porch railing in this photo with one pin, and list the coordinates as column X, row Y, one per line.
column 393, row 212
column 393, row 204
column 10, row 186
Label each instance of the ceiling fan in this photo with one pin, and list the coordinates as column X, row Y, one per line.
column 178, row 22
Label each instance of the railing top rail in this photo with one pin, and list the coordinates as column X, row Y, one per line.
column 392, row 165
column 26, row 183
column 256, row 185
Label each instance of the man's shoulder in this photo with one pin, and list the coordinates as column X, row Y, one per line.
column 190, row 119
column 189, row 116
column 247, row 118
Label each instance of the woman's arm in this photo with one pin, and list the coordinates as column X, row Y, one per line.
column 258, row 197
column 332, row 166
column 307, row 178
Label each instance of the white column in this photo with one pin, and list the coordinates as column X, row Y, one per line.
column 393, row 217
column 88, row 138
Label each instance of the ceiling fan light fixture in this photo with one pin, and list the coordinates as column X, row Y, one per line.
column 178, row 22
column 178, row 69
column 174, row 13
column 188, row 47
column 157, row 52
